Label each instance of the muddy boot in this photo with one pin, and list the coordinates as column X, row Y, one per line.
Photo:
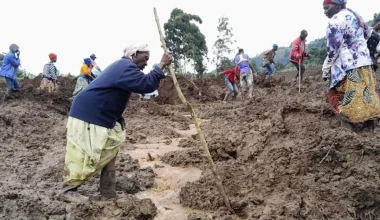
column 70, row 194
column 107, row 184
column 348, row 125
column 370, row 125
column 225, row 98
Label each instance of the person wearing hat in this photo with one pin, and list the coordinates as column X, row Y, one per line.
column 96, row 127
column 9, row 68
column 85, row 77
column 93, row 63
column 50, row 75
column 268, row 60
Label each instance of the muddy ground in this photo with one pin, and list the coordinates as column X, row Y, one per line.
column 280, row 155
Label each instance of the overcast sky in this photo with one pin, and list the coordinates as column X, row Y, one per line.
column 75, row 29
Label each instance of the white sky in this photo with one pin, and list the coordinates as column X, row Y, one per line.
column 75, row 29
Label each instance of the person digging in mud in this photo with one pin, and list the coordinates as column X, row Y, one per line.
column 50, row 75
column 373, row 44
column 298, row 53
column 85, row 77
column 268, row 60
column 230, row 81
column 246, row 73
column 348, row 66
column 95, row 127
column 9, row 68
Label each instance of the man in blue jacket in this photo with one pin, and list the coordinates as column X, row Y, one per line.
column 95, row 124
column 9, row 68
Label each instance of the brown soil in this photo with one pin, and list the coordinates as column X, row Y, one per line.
column 280, row 155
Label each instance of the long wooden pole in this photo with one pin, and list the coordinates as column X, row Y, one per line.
column 195, row 120
column 299, row 77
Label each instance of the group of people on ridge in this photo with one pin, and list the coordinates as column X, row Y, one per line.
column 50, row 73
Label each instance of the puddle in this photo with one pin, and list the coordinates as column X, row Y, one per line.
column 169, row 180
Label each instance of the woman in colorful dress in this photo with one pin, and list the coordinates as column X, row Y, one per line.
column 348, row 67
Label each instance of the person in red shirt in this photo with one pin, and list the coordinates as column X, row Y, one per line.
column 230, row 80
column 299, row 52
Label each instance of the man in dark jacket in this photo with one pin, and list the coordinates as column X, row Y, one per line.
column 95, row 125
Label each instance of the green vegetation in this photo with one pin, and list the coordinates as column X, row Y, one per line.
column 185, row 41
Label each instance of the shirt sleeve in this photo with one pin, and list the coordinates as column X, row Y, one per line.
column 335, row 40
column 133, row 80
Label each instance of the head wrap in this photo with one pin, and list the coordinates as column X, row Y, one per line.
column 87, row 61
column 360, row 20
column 335, row 2
column 13, row 48
column 275, row 45
column 131, row 50
column 52, row 56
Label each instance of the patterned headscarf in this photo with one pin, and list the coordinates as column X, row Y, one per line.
column 131, row 50
column 335, row 2
column 360, row 20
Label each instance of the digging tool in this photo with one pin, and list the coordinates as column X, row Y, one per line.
column 195, row 120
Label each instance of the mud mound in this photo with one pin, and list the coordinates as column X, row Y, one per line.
column 287, row 159
column 205, row 89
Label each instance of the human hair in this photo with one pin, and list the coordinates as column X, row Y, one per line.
column 303, row 32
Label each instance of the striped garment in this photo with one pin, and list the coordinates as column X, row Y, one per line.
column 50, row 71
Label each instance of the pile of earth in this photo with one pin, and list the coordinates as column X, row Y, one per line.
column 283, row 155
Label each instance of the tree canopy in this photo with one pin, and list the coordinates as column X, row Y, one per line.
column 185, row 40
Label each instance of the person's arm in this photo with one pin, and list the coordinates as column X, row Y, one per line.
column 121, row 121
column 134, row 80
column 228, row 71
column 14, row 61
column 296, row 49
column 335, row 41
column 251, row 66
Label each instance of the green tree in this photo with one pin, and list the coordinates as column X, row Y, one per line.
column 370, row 22
column 225, row 64
column 223, row 43
column 185, row 40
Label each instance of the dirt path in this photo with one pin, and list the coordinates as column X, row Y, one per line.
column 169, row 180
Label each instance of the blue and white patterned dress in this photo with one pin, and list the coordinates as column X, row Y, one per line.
column 346, row 46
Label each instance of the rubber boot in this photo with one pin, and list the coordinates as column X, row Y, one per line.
column 225, row 97
column 107, row 184
column 250, row 92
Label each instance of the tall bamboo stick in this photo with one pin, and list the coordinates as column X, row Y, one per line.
column 195, row 120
